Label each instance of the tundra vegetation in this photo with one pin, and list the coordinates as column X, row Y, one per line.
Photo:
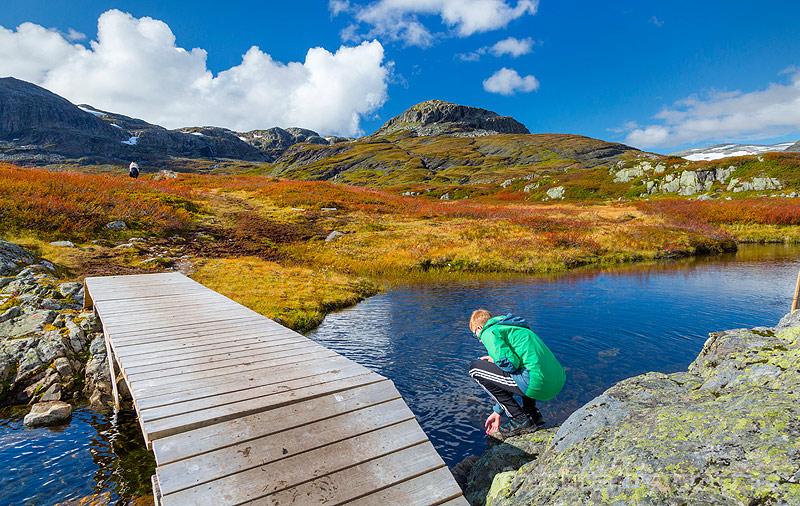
column 278, row 231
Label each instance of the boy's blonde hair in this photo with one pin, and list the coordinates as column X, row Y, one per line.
column 478, row 319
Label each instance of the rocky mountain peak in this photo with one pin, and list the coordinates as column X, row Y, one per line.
column 437, row 117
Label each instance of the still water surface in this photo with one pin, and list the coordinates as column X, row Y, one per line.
column 603, row 327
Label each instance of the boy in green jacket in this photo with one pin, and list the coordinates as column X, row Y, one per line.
column 518, row 363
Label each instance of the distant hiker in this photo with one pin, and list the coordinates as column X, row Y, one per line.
column 518, row 363
column 133, row 170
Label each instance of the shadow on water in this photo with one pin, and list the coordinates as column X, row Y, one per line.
column 604, row 325
column 94, row 455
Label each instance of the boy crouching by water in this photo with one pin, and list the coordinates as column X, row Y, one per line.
column 518, row 363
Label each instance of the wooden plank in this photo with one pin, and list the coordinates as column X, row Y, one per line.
column 154, row 387
column 200, row 374
column 344, row 486
column 171, row 317
column 224, row 462
column 434, row 487
column 316, row 464
column 133, row 328
column 260, row 322
column 283, row 375
column 154, row 300
column 240, row 430
column 220, row 359
column 221, row 349
column 157, row 429
column 153, row 342
column 206, row 402
column 199, row 333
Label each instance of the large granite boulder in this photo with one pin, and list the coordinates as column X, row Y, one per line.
column 725, row 432
column 48, row 413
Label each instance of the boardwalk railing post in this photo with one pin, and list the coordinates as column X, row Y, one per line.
column 110, row 355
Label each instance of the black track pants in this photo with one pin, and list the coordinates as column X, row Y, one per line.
column 502, row 387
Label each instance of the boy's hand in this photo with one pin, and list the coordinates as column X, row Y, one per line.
column 492, row 423
column 487, row 357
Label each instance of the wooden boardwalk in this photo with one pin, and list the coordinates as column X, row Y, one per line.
column 241, row 410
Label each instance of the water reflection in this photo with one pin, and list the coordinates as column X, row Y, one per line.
column 95, row 454
column 604, row 325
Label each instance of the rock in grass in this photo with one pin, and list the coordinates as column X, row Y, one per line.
column 48, row 413
column 12, row 257
column 63, row 244
column 333, row 236
column 116, row 225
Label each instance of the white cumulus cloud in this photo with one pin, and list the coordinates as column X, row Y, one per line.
column 728, row 116
column 512, row 46
column 400, row 19
column 135, row 68
column 508, row 82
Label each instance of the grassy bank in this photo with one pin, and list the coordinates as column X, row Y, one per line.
column 262, row 241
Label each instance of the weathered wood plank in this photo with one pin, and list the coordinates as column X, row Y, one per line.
column 260, row 323
column 198, row 405
column 171, row 317
column 302, row 438
column 285, row 375
column 219, row 360
column 200, row 338
column 240, row 430
column 146, row 326
column 430, row 488
column 226, row 349
column 278, row 476
column 155, row 386
column 346, row 485
column 157, row 429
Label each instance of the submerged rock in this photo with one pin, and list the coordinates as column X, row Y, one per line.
column 724, row 432
column 48, row 413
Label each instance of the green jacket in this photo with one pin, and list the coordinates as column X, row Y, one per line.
column 517, row 350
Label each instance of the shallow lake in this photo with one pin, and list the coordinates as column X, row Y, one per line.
column 603, row 326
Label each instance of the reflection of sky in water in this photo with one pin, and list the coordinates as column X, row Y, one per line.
column 603, row 327
column 93, row 454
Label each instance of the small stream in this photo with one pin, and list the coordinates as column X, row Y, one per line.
column 603, row 326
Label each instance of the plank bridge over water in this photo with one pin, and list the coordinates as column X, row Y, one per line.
column 241, row 410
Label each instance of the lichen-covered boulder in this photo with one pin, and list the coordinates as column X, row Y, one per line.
column 503, row 457
column 725, row 432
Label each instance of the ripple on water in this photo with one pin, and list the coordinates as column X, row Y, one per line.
column 94, row 454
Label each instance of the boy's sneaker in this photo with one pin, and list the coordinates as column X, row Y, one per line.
column 518, row 425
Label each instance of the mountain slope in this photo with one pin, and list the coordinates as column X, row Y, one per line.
column 38, row 124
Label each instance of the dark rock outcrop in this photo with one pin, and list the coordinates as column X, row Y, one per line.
column 274, row 141
column 436, row 117
column 725, row 432
column 40, row 126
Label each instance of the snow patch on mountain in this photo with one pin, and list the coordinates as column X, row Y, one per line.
column 726, row 150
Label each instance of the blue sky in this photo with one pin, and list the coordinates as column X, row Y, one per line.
column 658, row 75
